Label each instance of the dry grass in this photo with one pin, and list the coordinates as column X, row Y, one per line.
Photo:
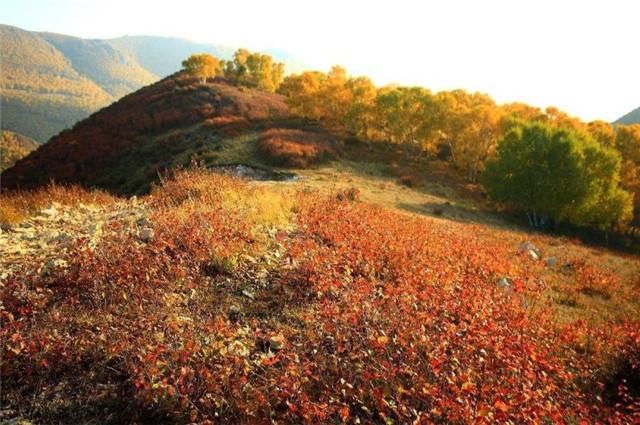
column 17, row 206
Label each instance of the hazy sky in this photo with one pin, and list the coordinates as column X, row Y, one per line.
column 582, row 56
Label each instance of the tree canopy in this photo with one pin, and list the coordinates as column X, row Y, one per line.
column 202, row 66
column 560, row 174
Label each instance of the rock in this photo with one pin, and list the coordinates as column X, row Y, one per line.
column 64, row 240
column 504, row 283
column 146, row 235
column 234, row 312
column 53, row 264
column 528, row 246
column 51, row 212
column 276, row 342
column 143, row 222
column 550, row 262
column 533, row 255
column 249, row 295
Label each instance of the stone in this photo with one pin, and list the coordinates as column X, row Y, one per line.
column 528, row 246
column 504, row 283
column 143, row 222
column 146, row 235
column 533, row 255
column 53, row 264
column 550, row 262
column 276, row 342
column 248, row 295
column 52, row 211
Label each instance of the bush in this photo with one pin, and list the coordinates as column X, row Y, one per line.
column 296, row 148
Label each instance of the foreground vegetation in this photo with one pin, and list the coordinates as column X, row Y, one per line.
column 255, row 304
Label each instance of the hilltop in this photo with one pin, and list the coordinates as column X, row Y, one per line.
column 173, row 122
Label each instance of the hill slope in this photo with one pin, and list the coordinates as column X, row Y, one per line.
column 632, row 117
column 41, row 91
column 115, row 71
column 124, row 146
column 13, row 147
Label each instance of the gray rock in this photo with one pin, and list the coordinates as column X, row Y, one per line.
column 277, row 342
column 504, row 283
column 53, row 264
column 533, row 255
column 146, row 235
column 550, row 262
column 248, row 295
column 528, row 246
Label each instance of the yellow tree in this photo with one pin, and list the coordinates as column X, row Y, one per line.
column 202, row 66
column 360, row 119
column 303, row 94
column 602, row 132
column 471, row 125
column 628, row 144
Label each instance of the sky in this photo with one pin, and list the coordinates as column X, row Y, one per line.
column 580, row 56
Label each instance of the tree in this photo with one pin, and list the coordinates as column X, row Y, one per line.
column 560, row 174
column 202, row 66
column 254, row 70
column 602, row 132
column 471, row 125
column 406, row 116
column 627, row 142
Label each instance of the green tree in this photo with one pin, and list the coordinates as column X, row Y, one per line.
column 202, row 66
column 559, row 174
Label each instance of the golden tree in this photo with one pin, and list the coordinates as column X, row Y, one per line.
column 202, row 66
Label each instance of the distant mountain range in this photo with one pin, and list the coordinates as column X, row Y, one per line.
column 632, row 117
column 14, row 147
column 51, row 81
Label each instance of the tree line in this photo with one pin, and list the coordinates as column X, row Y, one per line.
column 551, row 166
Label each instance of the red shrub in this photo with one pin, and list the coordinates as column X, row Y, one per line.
column 296, row 148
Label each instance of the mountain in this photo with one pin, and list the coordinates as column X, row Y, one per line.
column 163, row 55
column 117, row 72
column 124, row 146
column 13, row 147
column 42, row 92
column 51, row 81
column 632, row 117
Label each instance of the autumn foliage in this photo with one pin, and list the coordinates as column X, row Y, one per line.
column 324, row 311
column 296, row 148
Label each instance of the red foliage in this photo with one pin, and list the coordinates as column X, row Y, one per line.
column 369, row 315
column 296, row 148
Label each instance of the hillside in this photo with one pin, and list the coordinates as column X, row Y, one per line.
column 41, row 91
column 123, row 147
column 219, row 300
column 113, row 70
column 632, row 117
column 13, row 147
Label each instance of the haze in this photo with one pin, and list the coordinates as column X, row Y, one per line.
column 579, row 56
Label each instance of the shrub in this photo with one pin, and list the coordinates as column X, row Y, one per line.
column 296, row 148
column 410, row 180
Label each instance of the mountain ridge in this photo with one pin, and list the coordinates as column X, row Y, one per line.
column 51, row 81
column 632, row 117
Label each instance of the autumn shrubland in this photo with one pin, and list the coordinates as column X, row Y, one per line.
column 259, row 303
